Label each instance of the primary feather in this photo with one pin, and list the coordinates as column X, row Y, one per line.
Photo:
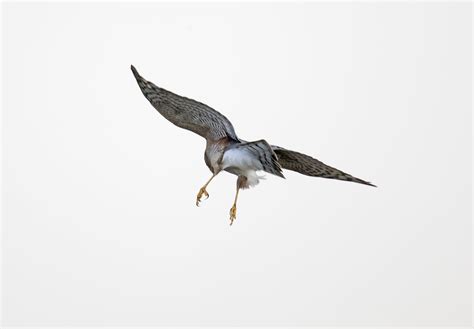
column 306, row 165
column 185, row 112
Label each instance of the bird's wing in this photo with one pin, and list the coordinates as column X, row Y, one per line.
column 306, row 165
column 186, row 113
column 262, row 151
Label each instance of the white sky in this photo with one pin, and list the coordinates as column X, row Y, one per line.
column 99, row 221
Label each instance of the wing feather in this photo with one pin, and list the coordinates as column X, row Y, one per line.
column 185, row 112
column 306, row 165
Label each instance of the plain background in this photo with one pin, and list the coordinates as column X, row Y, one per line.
column 99, row 221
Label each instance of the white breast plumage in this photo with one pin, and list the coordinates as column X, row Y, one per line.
column 240, row 159
column 241, row 162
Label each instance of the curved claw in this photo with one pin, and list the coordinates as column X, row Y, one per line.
column 202, row 192
column 233, row 214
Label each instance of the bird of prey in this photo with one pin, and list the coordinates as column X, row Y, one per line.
column 225, row 151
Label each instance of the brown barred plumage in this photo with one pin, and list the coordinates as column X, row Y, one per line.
column 185, row 112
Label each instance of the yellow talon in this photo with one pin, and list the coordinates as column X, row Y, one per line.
column 233, row 214
column 202, row 192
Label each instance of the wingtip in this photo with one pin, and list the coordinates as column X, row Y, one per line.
column 369, row 183
column 135, row 72
column 361, row 181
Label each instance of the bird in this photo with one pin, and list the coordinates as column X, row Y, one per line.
column 225, row 151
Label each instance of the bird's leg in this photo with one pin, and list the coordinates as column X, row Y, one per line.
column 233, row 210
column 203, row 191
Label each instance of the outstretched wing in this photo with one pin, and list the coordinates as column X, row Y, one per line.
column 186, row 113
column 306, row 165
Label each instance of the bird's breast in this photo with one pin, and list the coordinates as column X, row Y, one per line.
column 240, row 159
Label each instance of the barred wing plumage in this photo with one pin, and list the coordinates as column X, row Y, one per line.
column 185, row 112
column 306, row 165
